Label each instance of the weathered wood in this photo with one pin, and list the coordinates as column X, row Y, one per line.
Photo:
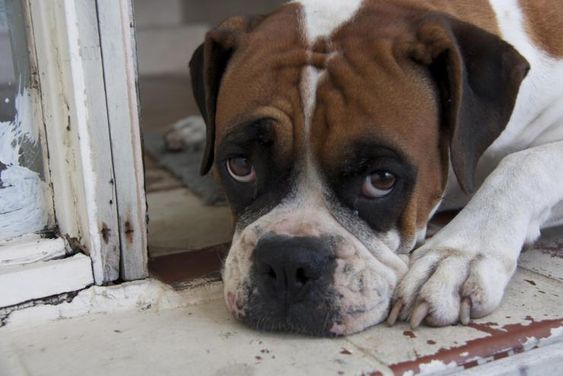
column 546, row 360
column 120, row 74
column 84, row 71
column 30, row 250
column 76, row 121
column 37, row 280
column 32, row 267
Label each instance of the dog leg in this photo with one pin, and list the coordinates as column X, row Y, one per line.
column 187, row 133
column 462, row 272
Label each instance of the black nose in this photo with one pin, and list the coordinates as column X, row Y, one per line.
column 288, row 269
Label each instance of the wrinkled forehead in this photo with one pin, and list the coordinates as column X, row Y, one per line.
column 269, row 71
column 263, row 77
column 308, row 67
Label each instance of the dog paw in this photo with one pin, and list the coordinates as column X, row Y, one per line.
column 444, row 286
column 186, row 134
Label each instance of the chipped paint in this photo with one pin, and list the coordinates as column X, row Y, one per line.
column 22, row 192
column 488, row 327
column 345, row 351
column 556, row 332
column 436, row 366
column 126, row 297
column 409, row 333
column 500, row 342
column 129, row 231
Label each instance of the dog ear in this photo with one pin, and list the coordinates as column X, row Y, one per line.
column 478, row 76
column 207, row 66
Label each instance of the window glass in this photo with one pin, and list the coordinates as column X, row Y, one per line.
column 23, row 194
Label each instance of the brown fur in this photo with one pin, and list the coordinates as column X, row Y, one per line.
column 476, row 12
column 263, row 78
column 368, row 94
column 544, row 23
column 372, row 89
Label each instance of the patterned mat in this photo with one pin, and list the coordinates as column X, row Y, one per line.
column 185, row 166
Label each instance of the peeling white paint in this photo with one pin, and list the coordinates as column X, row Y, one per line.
column 132, row 296
column 555, row 335
column 29, row 249
column 22, row 191
column 436, row 366
column 556, row 332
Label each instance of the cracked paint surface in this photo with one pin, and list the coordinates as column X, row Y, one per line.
column 501, row 342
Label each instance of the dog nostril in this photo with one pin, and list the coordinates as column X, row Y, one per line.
column 301, row 276
column 271, row 273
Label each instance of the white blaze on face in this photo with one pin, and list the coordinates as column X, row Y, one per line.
column 367, row 270
column 320, row 19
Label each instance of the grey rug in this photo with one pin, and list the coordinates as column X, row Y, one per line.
column 185, row 166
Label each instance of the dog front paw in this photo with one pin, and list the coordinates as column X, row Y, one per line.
column 444, row 286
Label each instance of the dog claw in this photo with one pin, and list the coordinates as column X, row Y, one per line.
column 465, row 311
column 419, row 314
column 394, row 314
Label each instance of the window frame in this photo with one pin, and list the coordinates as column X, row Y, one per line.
column 85, row 96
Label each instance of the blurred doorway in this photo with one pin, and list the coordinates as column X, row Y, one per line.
column 186, row 213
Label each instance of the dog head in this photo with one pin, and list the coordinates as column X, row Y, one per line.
column 332, row 138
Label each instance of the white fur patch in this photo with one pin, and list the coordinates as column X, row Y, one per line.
column 322, row 17
column 475, row 255
column 309, row 82
column 538, row 111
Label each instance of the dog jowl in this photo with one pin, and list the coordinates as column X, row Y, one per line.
column 332, row 130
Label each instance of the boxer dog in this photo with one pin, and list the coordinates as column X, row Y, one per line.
column 337, row 129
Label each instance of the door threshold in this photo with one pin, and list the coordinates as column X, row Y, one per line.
column 182, row 270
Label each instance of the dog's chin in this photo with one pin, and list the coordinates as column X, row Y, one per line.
column 358, row 321
column 329, row 323
column 352, row 291
column 332, row 315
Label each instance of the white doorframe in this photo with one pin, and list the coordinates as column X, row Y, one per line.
column 119, row 55
column 86, row 61
column 84, row 92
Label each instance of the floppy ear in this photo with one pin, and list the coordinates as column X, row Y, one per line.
column 478, row 76
column 207, row 65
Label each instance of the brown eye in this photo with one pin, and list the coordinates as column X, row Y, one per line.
column 378, row 184
column 241, row 169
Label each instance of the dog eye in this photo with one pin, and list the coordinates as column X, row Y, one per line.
column 378, row 184
column 241, row 169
